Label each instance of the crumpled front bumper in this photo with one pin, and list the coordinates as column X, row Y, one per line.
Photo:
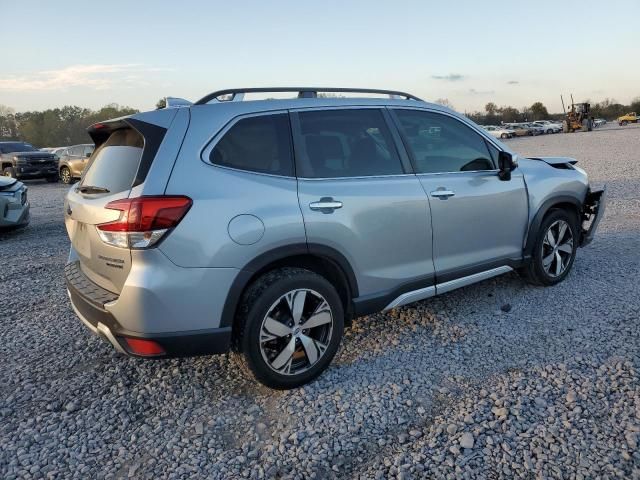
column 592, row 212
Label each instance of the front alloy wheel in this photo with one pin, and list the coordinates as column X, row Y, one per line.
column 557, row 248
column 554, row 250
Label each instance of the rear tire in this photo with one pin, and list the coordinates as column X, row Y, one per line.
column 550, row 264
column 9, row 172
column 273, row 343
column 65, row 175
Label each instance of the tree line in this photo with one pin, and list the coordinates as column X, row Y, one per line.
column 64, row 126
column 608, row 109
column 56, row 127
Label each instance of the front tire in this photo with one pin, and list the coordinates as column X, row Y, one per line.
column 554, row 250
column 289, row 327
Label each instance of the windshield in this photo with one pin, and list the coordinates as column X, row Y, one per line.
column 16, row 147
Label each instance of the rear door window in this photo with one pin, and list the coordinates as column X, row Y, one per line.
column 258, row 144
column 346, row 143
column 115, row 163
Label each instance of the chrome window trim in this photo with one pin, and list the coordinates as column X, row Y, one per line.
column 361, row 177
column 494, row 171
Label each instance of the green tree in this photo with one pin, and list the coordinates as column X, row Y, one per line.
column 491, row 108
column 63, row 126
column 538, row 111
column 160, row 104
column 509, row 114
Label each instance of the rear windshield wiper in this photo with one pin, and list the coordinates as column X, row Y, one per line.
column 92, row 189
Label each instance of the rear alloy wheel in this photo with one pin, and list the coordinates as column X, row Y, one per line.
column 65, row 175
column 554, row 249
column 291, row 327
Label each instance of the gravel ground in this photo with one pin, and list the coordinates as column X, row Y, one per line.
column 459, row 386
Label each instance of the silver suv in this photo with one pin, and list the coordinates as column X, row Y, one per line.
column 263, row 227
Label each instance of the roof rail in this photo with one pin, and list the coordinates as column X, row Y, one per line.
column 237, row 94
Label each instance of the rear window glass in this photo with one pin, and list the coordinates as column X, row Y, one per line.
column 258, row 144
column 115, row 162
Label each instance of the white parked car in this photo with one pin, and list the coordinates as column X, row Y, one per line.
column 498, row 132
column 598, row 122
column 549, row 126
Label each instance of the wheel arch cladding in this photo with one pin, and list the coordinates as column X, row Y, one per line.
column 320, row 259
column 564, row 202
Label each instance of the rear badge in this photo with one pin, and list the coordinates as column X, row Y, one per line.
column 112, row 262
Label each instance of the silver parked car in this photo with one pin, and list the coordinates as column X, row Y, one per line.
column 14, row 207
column 264, row 227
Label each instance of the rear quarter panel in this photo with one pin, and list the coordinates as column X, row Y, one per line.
column 220, row 195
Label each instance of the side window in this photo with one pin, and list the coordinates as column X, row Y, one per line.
column 493, row 151
column 258, row 144
column 346, row 143
column 88, row 150
column 75, row 151
column 440, row 143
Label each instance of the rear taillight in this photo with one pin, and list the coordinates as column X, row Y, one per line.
column 143, row 220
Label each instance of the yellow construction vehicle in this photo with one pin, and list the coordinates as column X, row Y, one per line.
column 630, row 117
column 577, row 118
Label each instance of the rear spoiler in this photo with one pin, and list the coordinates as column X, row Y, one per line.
column 100, row 132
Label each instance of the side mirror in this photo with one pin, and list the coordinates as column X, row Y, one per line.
column 506, row 163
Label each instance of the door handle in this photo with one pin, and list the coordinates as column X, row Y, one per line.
column 442, row 193
column 325, row 205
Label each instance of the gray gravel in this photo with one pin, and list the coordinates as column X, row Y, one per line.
column 497, row 380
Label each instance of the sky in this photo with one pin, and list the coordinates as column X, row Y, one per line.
column 90, row 54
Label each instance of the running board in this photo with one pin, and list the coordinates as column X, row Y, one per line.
column 422, row 293
column 476, row 277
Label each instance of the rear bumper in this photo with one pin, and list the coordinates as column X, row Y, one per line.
column 88, row 301
column 592, row 211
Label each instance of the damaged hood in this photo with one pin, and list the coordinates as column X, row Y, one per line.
column 7, row 182
column 556, row 160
